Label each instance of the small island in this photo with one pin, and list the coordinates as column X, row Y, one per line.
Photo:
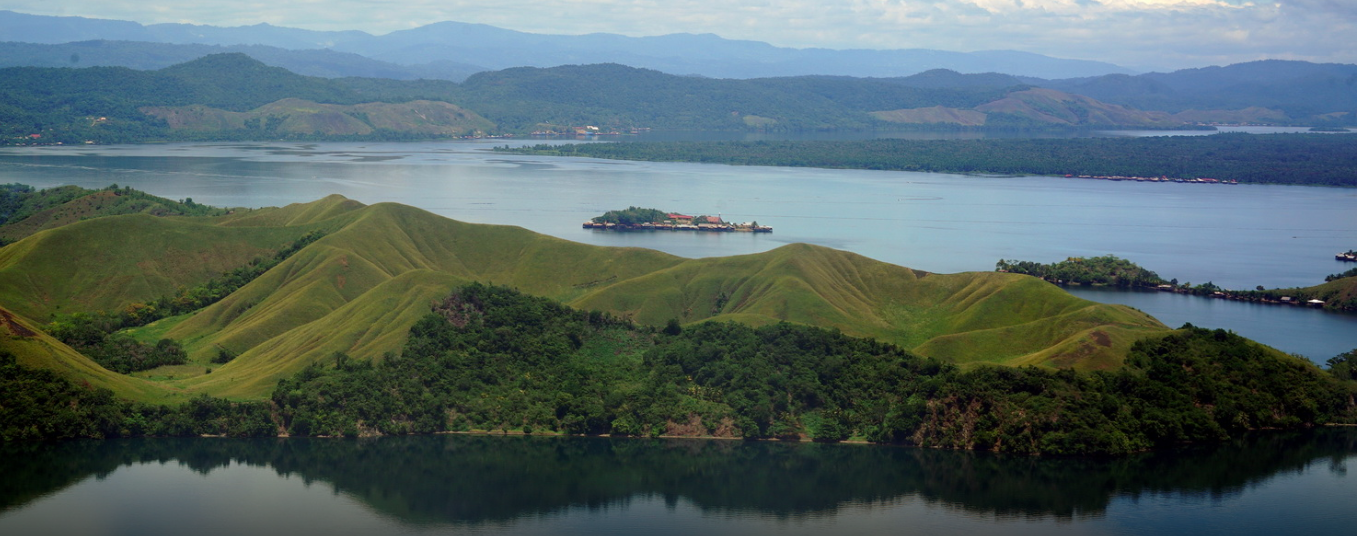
column 651, row 219
column 1349, row 256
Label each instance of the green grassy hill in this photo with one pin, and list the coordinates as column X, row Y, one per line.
column 24, row 210
column 106, row 264
column 358, row 290
column 964, row 318
column 34, row 349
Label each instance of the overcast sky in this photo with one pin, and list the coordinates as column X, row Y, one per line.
column 1140, row 34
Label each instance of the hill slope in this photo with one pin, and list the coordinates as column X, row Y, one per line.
column 359, row 288
column 1304, row 92
column 297, row 116
column 25, row 211
column 34, row 349
column 1035, row 106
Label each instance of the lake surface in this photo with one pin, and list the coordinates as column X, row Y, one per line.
column 1235, row 236
column 1265, row 484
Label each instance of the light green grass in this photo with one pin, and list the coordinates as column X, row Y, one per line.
column 153, row 332
column 35, row 349
column 107, row 263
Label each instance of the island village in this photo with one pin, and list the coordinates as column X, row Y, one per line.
column 634, row 219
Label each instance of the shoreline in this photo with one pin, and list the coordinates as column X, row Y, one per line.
column 1217, row 295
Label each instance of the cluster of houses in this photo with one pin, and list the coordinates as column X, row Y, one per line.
column 1350, row 256
column 1248, row 297
column 680, row 222
column 1201, row 180
column 589, row 131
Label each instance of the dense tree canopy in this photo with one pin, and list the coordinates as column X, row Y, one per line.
column 490, row 359
column 1106, row 270
column 1318, row 159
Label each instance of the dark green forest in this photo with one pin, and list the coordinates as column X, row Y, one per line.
column 1316, row 159
column 1108, row 270
column 492, row 360
column 632, row 216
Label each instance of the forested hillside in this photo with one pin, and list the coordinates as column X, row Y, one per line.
column 1313, row 93
column 103, row 104
column 492, row 360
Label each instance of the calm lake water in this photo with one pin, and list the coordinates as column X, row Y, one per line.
column 1235, row 236
column 1267, row 484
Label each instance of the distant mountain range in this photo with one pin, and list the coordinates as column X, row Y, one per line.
column 450, row 49
column 233, row 96
column 1270, row 91
column 152, row 56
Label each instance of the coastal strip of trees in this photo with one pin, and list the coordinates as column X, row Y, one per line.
column 1338, row 292
column 1311, row 159
column 489, row 359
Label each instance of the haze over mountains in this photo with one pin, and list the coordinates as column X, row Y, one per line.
column 445, row 45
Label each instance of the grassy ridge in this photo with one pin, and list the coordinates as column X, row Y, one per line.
column 25, row 211
column 358, row 290
column 105, row 264
column 962, row 318
column 34, row 349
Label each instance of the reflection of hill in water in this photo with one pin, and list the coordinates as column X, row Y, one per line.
column 473, row 479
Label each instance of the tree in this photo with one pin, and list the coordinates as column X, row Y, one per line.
column 1344, row 366
column 672, row 327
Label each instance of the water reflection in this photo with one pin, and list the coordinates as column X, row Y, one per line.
column 473, row 480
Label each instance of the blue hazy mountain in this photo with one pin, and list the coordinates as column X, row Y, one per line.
column 494, row 48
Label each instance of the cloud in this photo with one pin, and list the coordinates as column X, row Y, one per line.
column 1345, row 9
column 1161, row 34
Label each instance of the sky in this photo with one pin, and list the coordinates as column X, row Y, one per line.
column 1140, row 34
